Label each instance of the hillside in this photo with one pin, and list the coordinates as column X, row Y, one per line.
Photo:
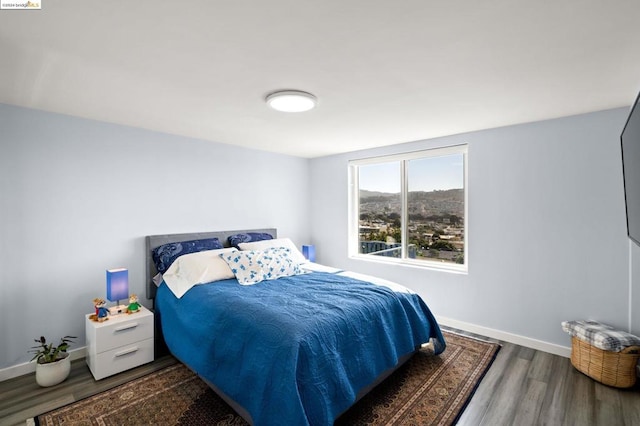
column 449, row 201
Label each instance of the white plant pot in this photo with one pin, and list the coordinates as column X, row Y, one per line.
column 52, row 373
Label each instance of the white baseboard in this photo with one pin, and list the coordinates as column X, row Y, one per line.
column 528, row 342
column 30, row 367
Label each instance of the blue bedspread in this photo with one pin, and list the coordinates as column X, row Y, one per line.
column 295, row 350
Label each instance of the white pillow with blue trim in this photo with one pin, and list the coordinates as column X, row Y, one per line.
column 253, row 266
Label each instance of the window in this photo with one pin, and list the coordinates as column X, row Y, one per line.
column 410, row 208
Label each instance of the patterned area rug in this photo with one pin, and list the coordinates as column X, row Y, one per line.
column 427, row 390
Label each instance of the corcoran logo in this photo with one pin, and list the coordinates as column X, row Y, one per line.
column 13, row 4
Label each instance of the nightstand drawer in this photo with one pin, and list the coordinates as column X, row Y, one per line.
column 123, row 330
column 120, row 359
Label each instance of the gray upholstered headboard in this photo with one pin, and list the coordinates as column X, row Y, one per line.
column 153, row 241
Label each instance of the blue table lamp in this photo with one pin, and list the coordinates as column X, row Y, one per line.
column 117, row 288
column 309, row 252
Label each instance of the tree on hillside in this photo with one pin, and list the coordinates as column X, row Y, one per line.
column 442, row 245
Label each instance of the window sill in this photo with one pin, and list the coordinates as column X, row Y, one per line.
column 419, row 264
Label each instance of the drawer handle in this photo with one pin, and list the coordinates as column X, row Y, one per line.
column 127, row 351
column 127, row 327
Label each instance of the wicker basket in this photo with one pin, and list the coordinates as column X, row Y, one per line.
column 617, row 369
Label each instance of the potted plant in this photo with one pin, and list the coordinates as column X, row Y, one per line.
column 52, row 362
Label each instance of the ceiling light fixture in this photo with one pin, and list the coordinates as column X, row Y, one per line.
column 291, row 101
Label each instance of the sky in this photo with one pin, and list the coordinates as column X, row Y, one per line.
column 425, row 174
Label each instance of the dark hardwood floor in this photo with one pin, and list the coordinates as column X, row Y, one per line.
column 522, row 387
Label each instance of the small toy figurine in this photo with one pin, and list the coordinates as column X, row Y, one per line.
column 134, row 306
column 101, row 311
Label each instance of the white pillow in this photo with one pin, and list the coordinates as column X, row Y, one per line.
column 197, row 268
column 253, row 266
column 295, row 254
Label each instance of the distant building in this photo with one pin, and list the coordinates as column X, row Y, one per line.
column 364, row 229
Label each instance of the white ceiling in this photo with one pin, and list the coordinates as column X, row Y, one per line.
column 384, row 72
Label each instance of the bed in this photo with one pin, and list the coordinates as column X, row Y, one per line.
column 298, row 350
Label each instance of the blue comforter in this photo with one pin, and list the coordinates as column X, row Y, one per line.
column 295, row 350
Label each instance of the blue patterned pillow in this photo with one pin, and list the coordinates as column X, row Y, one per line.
column 236, row 239
column 251, row 267
column 164, row 255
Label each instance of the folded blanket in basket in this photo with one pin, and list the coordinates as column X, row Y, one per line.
column 600, row 335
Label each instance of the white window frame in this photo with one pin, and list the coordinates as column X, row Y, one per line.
column 354, row 209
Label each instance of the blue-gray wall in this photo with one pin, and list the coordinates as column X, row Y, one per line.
column 78, row 196
column 547, row 238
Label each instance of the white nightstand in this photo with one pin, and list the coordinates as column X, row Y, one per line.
column 122, row 342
